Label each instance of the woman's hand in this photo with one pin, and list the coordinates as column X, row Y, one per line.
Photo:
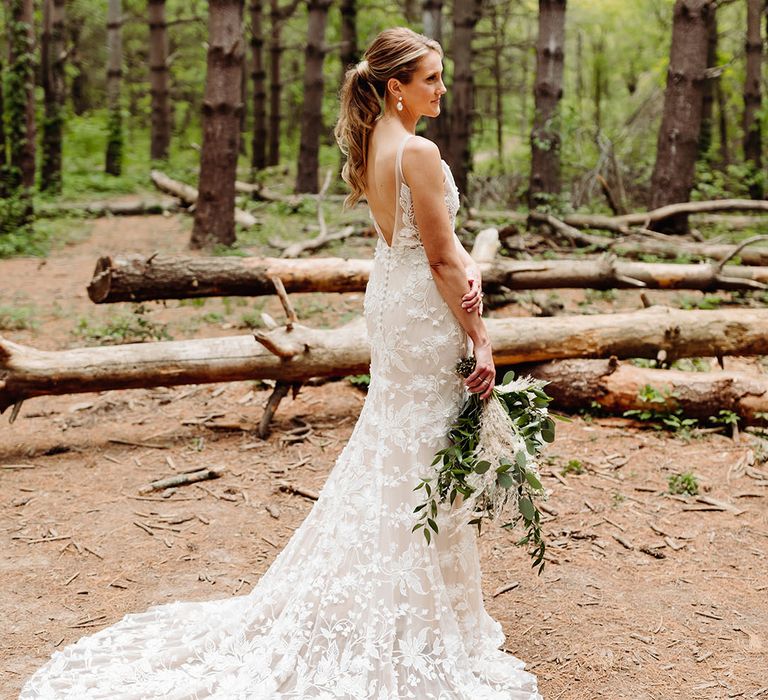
column 473, row 299
column 482, row 379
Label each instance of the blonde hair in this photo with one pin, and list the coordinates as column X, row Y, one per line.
column 394, row 53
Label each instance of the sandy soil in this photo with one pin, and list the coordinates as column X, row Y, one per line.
column 82, row 547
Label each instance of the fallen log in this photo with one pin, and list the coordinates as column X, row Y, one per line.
column 617, row 387
column 141, row 278
column 188, row 195
column 625, row 222
column 636, row 245
column 300, row 353
column 99, row 209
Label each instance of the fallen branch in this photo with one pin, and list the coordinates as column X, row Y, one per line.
column 181, row 480
column 293, row 250
column 642, row 243
column 99, row 209
column 188, row 195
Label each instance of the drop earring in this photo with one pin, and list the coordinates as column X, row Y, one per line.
column 399, row 105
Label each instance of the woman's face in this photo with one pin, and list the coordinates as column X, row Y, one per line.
column 422, row 95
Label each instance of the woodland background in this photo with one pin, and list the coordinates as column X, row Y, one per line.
column 571, row 128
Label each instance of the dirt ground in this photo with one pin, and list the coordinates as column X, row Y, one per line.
column 681, row 611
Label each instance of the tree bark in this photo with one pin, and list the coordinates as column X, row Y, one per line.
column 77, row 88
column 437, row 130
column 312, row 110
column 709, row 89
column 160, row 137
column 52, row 51
column 300, row 353
column 349, row 51
column 548, row 90
column 465, row 16
column 214, row 215
column 753, row 145
column 259, row 77
column 278, row 16
column 617, row 387
column 4, row 176
column 678, row 138
column 138, row 278
column 114, row 156
column 189, row 195
column 20, row 95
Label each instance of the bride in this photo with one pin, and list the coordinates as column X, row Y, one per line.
column 356, row 606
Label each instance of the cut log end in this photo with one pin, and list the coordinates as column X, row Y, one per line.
column 99, row 286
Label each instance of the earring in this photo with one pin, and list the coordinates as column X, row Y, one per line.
column 399, row 105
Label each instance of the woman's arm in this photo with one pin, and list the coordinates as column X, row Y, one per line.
column 473, row 299
column 422, row 169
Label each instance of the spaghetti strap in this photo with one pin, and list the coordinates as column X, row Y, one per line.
column 398, row 186
column 399, row 162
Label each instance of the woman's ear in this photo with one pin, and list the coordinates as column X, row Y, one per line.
column 393, row 87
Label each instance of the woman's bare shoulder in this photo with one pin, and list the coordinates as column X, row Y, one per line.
column 421, row 147
column 421, row 161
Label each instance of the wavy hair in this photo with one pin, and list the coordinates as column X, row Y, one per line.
column 394, row 53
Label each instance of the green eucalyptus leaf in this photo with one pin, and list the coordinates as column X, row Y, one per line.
column 482, row 467
column 533, row 481
column 505, row 480
column 526, row 508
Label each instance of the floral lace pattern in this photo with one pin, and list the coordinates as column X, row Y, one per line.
column 356, row 606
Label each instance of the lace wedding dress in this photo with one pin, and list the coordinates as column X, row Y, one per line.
column 356, row 606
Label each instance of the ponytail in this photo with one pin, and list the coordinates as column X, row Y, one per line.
column 394, row 53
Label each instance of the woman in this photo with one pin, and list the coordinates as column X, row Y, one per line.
column 356, row 605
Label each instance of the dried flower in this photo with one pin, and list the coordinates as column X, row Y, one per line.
column 491, row 461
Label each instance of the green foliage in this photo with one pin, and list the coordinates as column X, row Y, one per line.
column 662, row 417
column 361, row 381
column 514, row 477
column 17, row 318
column 706, row 302
column 124, row 328
column 574, row 466
column 683, row 483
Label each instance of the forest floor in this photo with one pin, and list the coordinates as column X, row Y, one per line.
column 82, row 547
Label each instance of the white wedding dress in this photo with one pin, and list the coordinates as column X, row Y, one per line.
column 356, row 606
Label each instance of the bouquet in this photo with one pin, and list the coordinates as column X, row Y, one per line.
column 492, row 461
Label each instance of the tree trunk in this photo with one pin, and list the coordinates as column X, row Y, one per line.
column 349, row 51
column 722, row 125
column 708, row 90
column 278, row 15
column 160, row 138
column 188, row 195
column 678, row 138
column 138, row 278
column 3, row 147
column 77, row 92
column 312, row 110
column 114, row 155
column 753, row 144
column 52, row 51
column 548, row 91
column 20, row 95
column 215, row 212
column 618, row 387
column 437, row 130
column 465, row 17
column 301, row 352
column 259, row 76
